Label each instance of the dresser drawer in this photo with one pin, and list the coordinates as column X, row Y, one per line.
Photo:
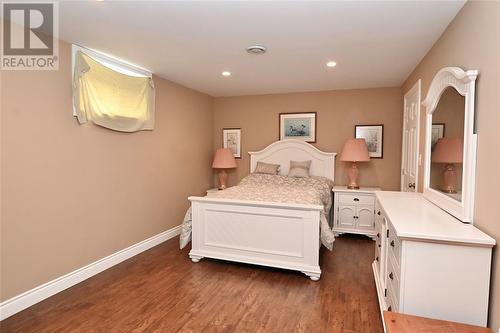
column 394, row 244
column 393, row 285
column 358, row 199
column 378, row 253
column 389, row 301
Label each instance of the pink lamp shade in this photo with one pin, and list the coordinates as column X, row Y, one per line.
column 355, row 150
column 448, row 150
column 224, row 159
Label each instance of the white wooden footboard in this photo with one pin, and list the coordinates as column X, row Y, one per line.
column 263, row 233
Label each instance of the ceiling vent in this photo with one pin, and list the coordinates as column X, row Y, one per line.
column 256, row 49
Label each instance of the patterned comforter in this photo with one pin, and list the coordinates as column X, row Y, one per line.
column 275, row 188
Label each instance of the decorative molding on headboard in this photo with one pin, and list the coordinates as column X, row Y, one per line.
column 282, row 152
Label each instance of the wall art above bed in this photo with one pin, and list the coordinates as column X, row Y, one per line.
column 300, row 126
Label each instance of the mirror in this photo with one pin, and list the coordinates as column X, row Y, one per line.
column 450, row 142
column 447, row 139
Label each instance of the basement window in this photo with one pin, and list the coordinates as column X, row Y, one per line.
column 111, row 93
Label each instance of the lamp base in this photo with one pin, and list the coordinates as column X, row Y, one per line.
column 222, row 179
column 353, row 177
column 449, row 179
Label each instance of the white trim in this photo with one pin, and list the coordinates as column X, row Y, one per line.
column 463, row 82
column 46, row 290
column 110, row 61
column 380, row 291
column 418, row 87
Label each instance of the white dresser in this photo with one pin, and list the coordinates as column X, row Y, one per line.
column 427, row 263
column 354, row 210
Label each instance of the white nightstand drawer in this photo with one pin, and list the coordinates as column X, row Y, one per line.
column 358, row 199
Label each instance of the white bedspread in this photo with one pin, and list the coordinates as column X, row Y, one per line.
column 275, row 188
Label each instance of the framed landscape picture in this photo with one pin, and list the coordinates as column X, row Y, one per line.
column 301, row 126
column 231, row 138
column 374, row 137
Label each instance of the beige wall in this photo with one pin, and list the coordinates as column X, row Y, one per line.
column 472, row 41
column 337, row 113
column 72, row 194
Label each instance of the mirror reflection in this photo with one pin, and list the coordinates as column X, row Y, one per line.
column 447, row 144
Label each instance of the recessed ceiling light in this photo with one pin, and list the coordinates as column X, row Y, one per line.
column 331, row 64
column 226, row 73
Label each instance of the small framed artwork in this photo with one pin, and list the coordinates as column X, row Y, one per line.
column 436, row 133
column 231, row 138
column 301, row 126
column 374, row 137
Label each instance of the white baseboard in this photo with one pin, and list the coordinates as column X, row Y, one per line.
column 37, row 294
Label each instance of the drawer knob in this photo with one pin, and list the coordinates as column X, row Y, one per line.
column 389, row 308
column 392, row 243
column 379, row 245
column 378, row 213
column 376, row 258
column 378, row 234
column 355, row 199
column 391, row 276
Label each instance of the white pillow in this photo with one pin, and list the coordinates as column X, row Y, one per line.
column 267, row 168
column 299, row 169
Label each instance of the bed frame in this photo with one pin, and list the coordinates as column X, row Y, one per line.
column 282, row 235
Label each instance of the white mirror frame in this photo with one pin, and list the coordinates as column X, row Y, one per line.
column 464, row 83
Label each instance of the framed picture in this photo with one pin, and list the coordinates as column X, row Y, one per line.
column 301, row 126
column 436, row 133
column 374, row 137
column 231, row 138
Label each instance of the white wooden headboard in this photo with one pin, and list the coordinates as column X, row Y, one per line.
column 281, row 152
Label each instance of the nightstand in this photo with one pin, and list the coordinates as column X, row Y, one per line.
column 354, row 211
column 210, row 192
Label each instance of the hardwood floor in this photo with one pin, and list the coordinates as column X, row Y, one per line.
column 161, row 290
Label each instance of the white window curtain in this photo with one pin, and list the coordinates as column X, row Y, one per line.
column 110, row 98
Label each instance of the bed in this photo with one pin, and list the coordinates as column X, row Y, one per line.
column 282, row 233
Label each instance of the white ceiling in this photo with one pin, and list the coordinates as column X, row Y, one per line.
column 376, row 44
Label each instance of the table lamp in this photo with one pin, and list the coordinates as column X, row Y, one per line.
column 355, row 150
column 450, row 152
column 223, row 159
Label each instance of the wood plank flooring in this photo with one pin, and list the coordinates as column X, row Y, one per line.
column 161, row 290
